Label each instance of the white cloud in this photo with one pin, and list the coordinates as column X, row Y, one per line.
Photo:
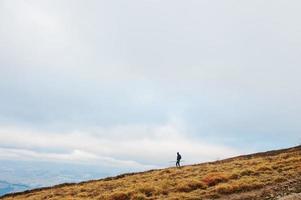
column 76, row 156
column 124, row 146
column 76, row 64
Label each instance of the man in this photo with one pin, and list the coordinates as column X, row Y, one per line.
column 178, row 159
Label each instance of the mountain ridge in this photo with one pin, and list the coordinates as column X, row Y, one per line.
column 292, row 153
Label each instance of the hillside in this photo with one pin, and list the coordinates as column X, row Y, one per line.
column 269, row 175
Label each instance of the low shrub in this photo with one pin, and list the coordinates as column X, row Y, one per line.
column 190, row 186
column 139, row 197
column 237, row 187
column 120, row 196
column 147, row 190
column 214, row 179
column 247, row 172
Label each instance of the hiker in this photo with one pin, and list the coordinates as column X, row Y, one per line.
column 178, row 159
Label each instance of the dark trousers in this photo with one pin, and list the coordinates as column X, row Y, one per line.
column 178, row 163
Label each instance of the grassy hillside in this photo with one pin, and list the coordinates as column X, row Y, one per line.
column 268, row 175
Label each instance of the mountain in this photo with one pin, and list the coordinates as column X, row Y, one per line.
column 6, row 187
column 269, row 175
column 35, row 174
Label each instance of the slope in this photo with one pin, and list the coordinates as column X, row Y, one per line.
column 268, row 175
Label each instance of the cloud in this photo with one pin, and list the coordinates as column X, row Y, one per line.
column 139, row 146
column 75, row 157
column 95, row 67
column 102, row 41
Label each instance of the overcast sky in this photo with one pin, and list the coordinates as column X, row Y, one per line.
column 130, row 83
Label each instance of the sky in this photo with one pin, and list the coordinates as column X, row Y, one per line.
column 127, row 84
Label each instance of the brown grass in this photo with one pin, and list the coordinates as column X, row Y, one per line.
column 235, row 175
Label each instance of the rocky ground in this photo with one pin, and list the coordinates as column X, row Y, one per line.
column 292, row 197
column 290, row 190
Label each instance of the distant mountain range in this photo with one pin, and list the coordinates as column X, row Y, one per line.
column 21, row 175
column 6, row 187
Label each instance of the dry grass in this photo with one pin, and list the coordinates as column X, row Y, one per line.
column 237, row 175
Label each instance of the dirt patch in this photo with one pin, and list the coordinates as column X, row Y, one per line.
column 289, row 190
column 291, row 197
